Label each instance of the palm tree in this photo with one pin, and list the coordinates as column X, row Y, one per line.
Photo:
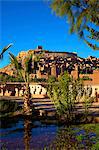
column 27, row 132
column 23, row 70
column 5, row 49
column 83, row 17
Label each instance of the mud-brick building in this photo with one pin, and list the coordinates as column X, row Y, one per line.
column 55, row 63
column 50, row 63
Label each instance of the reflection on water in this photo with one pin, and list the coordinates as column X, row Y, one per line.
column 27, row 134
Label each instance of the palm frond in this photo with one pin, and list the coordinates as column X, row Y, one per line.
column 64, row 9
column 5, row 49
column 93, row 33
column 14, row 61
column 80, row 19
column 28, row 63
column 55, row 5
column 17, row 65
column 93, row 46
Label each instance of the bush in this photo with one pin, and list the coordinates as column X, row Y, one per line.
column 52, row 79
column 39, row 80
column 63, row 93
column 7, row 106
column 8, row 78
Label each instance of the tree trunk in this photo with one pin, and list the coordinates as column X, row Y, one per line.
column 27, row 133
column 27, row 95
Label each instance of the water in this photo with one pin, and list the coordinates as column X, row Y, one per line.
column 26, row 134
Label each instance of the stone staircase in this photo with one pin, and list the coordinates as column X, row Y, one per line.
column 47, row 105
column 94, row 108
column 44, row 106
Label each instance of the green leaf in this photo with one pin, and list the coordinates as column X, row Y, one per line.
column 4, row 50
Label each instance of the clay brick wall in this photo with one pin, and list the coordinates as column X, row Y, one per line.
column 74, row 74
column 44, row 76
column 94, row 77
column 53, row 70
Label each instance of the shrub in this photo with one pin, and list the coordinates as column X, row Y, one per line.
column 64, row 93
column 7, row 106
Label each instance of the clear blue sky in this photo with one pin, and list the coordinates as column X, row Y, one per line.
column 28, row 23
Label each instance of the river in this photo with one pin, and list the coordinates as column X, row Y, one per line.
column 27, row 134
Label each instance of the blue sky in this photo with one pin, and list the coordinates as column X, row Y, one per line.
column 29, row 23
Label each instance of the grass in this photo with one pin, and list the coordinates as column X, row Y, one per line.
column 85, row 136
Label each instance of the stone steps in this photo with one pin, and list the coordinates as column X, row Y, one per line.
column 93, row 104
column 41, row 105
column 44, row 104
column 48, row 106
column 42, row 101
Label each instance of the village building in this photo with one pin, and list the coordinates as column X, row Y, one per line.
column 53, row 63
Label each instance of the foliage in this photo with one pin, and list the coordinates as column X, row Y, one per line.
column 4, row 50
column 51, row 84
column 77, row 137
column 51, row 79
column 24, row 67
column 22, row 70
column 38, row 80
column 80, row 89
column 63, row 93
column 87, row 103
column 7, row 106
column 83, row 16
column 87, row 99
column 8, row 78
